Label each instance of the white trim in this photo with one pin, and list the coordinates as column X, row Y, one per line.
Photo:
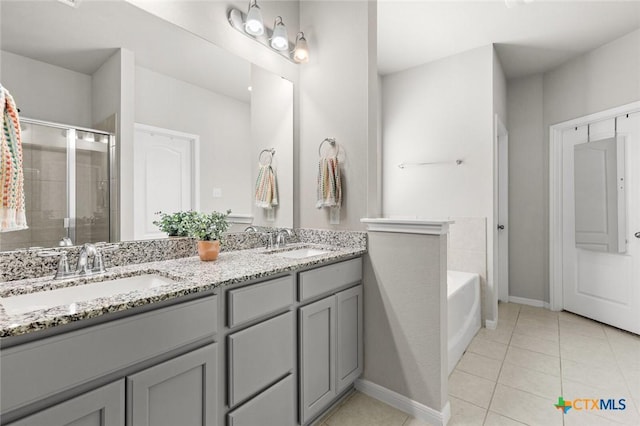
column 407, row 226
column 555, row 194
column 491, row 324
column 404, row 404
column 530, row 302
column 240, row 218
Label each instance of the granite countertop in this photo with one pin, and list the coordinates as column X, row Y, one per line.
column 190, row 274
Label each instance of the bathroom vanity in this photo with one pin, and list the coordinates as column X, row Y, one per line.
column 253, row 338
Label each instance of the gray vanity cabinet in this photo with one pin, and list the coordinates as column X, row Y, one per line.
column 331, row 349
column 317, row 356
column 181, row 391
column 101, row 407
column 349, row 329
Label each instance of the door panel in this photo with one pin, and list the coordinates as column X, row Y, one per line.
column 317, row 356
column 101, row 407
column 181, row 391
column 162, row 178
column 598, row 285
column 349, row 328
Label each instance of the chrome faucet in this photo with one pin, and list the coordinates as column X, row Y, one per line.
column 90, row 261
column 89, row 251
column 281, row 238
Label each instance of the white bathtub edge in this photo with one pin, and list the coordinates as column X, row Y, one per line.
column 405, row 404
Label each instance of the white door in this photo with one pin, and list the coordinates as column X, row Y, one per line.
column 163, row 177
column 503, row 213
column 601, row 254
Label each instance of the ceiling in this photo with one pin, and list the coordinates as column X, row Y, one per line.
column 82, row 39
column 530, row 38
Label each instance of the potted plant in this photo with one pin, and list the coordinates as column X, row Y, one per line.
column 174, row 224
column 208, row 228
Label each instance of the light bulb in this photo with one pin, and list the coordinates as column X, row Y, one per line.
column 253, row 25
column 301, row 52
column 279, row 39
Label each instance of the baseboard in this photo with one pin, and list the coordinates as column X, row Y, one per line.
column 402, row 403
column 530, row 302
column 490, row 324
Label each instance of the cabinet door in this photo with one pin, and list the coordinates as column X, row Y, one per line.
column 101, row 407
column 181, row 391
column 317, row 357
column 273, row 407
column 349, row 357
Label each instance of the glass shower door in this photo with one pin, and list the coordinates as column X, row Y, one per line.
column 92, row 187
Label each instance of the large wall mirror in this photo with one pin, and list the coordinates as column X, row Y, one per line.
column 600, row 201
column 126, row 114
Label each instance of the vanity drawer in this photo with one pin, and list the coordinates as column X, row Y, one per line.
column 328, row 278
column 259, row 356
column 257, row 300
column 275, row 406
column 67, row 360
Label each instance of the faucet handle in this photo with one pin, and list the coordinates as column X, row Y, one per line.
column 105, row 247
column 63, row 269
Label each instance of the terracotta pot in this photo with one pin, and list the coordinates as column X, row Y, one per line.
column 208, row 250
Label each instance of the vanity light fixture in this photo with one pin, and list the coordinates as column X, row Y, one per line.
column 253, row 24
column 279, row 39
column 301, row 51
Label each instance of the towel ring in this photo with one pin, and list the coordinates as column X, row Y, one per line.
column 331, row 142
column 271, row 152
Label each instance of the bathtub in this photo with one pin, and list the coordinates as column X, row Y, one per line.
column 463, row 312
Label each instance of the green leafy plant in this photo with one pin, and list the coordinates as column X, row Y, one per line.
column 208, row 226
column 175, row 224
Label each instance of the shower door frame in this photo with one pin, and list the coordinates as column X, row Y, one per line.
column 70, row 221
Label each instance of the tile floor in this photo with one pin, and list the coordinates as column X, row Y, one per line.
column 513, row 375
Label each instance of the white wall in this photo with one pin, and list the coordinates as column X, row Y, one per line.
column 440, row 111
column 527, row 213
column 335, row 102
column 221, row 122
column 272, row 127
column 601, row 79
column 47, row 92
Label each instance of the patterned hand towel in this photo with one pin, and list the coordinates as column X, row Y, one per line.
column 266, row 187
column 12, row 209
column 329, row 183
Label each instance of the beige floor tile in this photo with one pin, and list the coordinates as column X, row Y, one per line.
column 479, row 365
column 465, row 414
column 587, row 350
column 415, row 422
column 536, row 331
column 362, row 410
column 531, row 381
column 495, row 419
column 484, row 347
column 609, row 379
column 470, row 388
column 533, row 360
column 569, row 316
column 630, row 416
column 525, row 407
column 504, row 308
column 539, row 322
column 632, row 379
column 591, row 329
column 502, row 334
column 575, row 418
column 532, row 311
column 535, row 344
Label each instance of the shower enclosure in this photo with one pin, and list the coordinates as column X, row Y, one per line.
column 69, row 181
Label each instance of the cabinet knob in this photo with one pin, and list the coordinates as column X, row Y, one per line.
column 637, row 234
column 501, row 227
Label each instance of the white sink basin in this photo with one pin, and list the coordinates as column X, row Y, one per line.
column 68, row 296
column 302, row 253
